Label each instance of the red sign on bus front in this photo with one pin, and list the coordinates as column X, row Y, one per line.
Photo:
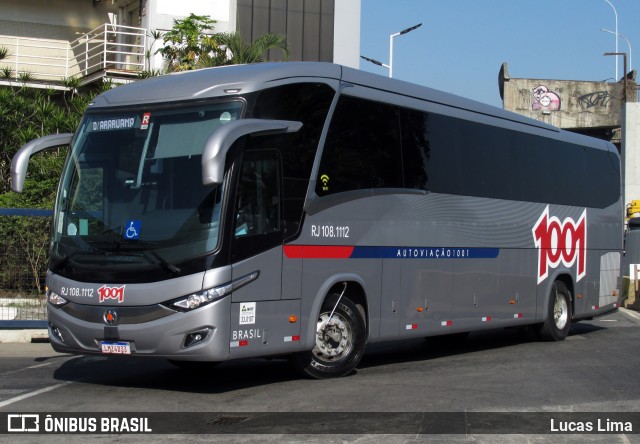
column 111, row 293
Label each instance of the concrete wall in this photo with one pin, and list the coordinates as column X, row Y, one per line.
column 631, row 151
column 37, row 33
column 53, row 19
column 308, row 25
column 346, row 35
column 160, row 14
column 565, row 103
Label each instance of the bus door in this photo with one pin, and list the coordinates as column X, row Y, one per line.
column 259, row 318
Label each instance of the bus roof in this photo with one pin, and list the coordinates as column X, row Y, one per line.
column 241, row 79
column 213, row 82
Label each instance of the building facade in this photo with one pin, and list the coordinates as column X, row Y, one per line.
column 48, row 42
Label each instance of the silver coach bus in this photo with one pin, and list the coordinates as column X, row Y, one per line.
column 307, row 209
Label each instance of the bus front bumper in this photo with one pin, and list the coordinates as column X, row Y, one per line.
column 198, row 335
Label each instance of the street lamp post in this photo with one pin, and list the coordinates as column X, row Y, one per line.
column 616, row 33
column 623, row 54
column 374, row 61
column 391, row 37
column 628, row 44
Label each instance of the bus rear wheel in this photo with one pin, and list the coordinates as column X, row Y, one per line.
column 556, row 326
column 340, row 340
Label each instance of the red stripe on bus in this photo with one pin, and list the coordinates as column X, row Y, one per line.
column 317, row 252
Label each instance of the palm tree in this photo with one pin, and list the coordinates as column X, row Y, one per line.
column 188, row 46
column 239, row 52
column 5, row 71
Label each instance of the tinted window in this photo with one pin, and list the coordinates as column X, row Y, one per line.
column 257, row 209
column 362, row 149
column 258, row 197
column 473, row 159
column 373, row 145
column 416, row 149
column 307, row 103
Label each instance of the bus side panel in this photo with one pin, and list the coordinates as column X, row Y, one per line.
column 264, row 328
column 610, row 279
column 417, row 297
column 291, row 278
column 599, row 291
column 585, row 292
column 475, row 293
column 268, row 285
column 516, row 301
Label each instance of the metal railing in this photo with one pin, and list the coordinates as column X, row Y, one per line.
column 42, row 58
column 106, row 48
column 23, row 264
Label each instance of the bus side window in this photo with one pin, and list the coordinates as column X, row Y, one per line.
column 257, row 219
column 363, row 148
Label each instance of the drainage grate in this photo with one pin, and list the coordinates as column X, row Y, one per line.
column 227, row 420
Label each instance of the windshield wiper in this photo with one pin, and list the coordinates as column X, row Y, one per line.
column 162, row 261
column 60, row 264
column 116, row 245
column 112, row 230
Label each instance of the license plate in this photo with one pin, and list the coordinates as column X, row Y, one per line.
column 116, row 348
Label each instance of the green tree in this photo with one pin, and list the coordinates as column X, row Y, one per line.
column 189, row 46
column 187, row 41
column 26, row 114
column 239, row 52
column 4, row 52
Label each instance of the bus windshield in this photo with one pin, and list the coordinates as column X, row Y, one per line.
column 131, row 193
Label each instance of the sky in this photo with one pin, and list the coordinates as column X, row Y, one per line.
column 462, row 44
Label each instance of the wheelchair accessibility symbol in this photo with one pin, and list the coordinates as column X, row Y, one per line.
column 132, row 230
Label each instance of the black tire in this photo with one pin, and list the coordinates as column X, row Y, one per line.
column 340, row 341
column 558, row 322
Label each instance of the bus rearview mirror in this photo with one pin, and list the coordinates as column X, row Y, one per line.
column 20, row 160
column 221, row 140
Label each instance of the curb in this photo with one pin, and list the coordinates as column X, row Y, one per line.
column 26, row 335
column 630, row 312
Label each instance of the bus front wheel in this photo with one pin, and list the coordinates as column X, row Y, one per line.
column 558, row 322
column 340, row 340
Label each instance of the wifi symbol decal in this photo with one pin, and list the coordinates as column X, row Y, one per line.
column 325, row 182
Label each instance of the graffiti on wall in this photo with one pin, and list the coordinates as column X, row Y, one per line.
column 595, row 99
column 546, row 100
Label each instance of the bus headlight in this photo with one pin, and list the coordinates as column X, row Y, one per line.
column 201, row 298
column 55, row 299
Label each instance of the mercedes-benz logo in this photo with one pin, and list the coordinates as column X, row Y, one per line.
column 110, row 317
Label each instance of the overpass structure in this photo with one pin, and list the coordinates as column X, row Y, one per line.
column 591, row 108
